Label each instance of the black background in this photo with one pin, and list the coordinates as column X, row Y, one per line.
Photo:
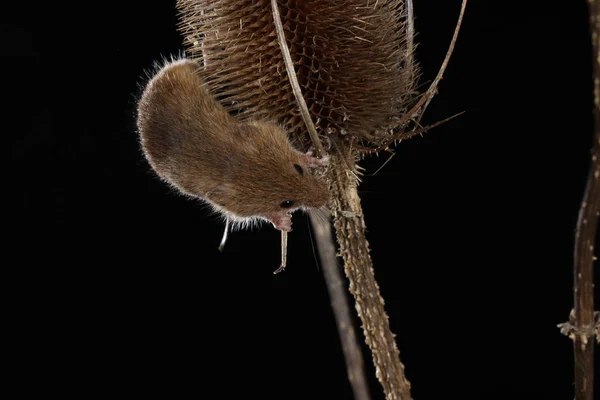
column 119, row 287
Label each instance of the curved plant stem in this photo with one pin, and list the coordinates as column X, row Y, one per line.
column 432, row 91
column 419, row 108
column 291, row 72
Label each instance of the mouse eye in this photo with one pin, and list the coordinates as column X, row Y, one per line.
column 299, row 169
column 287, row 203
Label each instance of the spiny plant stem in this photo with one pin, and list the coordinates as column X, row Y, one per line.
column 354, row 249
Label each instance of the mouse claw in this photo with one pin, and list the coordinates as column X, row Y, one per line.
column 281, row 221
column 310, row 161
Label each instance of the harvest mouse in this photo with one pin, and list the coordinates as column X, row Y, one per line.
column 247, row 171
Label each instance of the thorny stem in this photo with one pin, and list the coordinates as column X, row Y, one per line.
column 582, row 325
column 291, row 72
column 339, row 304
column 354, row 249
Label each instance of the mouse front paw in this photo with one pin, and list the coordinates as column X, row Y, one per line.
column 281, row 221
column 312, row 162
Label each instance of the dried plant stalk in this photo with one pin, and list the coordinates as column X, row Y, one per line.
column 583, row 323
column 350, row 231
column 291, row 73
column 354, row 66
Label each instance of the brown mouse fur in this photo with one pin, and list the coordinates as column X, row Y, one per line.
column 246, row 170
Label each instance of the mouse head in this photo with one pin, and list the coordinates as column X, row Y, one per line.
column 270, row 178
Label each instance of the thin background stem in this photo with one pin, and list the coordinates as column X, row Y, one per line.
column 583, row 334
column 583, row 323
column 336, row 285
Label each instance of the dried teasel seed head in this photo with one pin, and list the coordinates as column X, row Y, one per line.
column 352, row 60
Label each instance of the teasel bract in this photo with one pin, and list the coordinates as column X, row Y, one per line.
column 354, row 63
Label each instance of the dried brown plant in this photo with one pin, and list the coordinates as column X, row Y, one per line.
column 584, row 323
column 355, row 95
